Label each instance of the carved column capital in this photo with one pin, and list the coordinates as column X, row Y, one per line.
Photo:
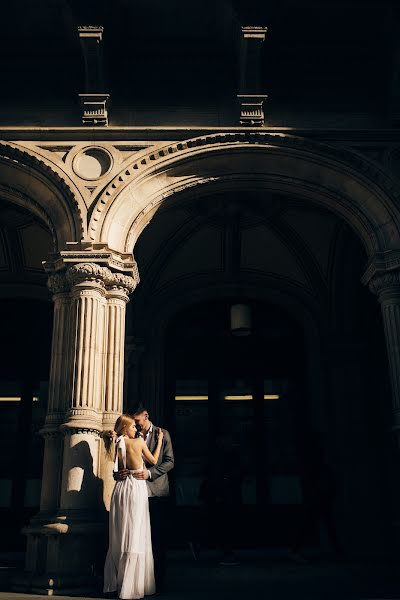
column 386, row 285
column 58, row 283
column 120, row 283
column 87, row 272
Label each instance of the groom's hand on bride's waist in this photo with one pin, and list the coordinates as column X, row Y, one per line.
column 121, row 474
column 145, row 474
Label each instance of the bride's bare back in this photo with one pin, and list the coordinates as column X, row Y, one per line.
column 136, row 450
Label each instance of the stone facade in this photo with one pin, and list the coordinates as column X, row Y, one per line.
column 302, row 220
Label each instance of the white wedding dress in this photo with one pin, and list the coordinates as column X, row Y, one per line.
column 129, row 566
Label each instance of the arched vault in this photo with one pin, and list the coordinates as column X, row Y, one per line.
column 340, row 180
column 29, row 180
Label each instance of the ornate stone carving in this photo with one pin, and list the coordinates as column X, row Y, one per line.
column 95, row 109
column 151, row 161
column 94, row 101
column 119, row 281
column 385, row 282
column 58, row 283
column 90, row 30
column 251, row 109
column 87, row 272
column 250, row 97
column 59, row 178
column 73, row 430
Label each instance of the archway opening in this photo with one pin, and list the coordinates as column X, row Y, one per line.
column 26, row 327
column 298, row 265
column 239, row 419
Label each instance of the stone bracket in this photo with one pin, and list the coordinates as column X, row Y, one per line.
column 250, row 97
column 380, row 264
column 95, row 109
column 251, row 109
column 94, row 102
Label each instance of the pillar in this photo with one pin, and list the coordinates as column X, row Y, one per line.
column 66, row 539
column 386, row 287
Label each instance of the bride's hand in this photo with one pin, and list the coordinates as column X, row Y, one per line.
column 160, row 435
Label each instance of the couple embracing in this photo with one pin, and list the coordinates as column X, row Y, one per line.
column 138, row 512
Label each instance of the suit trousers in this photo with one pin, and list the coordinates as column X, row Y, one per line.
column 159, row 515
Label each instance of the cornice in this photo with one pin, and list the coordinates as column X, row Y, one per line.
column 181, row 133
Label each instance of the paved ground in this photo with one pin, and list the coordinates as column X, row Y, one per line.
column 266, row 575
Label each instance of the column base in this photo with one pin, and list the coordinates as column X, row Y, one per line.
column 63, row 585
column 65, row 555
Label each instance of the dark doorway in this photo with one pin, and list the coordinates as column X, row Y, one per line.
column 239, row 413
column 26, row 339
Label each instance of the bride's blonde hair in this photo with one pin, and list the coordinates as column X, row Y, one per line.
column 110, row 436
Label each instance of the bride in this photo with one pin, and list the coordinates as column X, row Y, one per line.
column 129, row 567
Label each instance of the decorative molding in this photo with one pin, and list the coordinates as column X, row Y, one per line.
column 93, row 101
column 54, row 175
column 386, row 283
column 257, row 32
column 88, row 252
column 90, row 272
column 381, row 263
column 85, row 272
column 219, row 141
column 250, row 97
column 73, row 429
column 95, row 31
column 251, row 109
column 58, row 283
column 95, row 109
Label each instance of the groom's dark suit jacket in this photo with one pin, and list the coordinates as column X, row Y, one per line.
column 159, row 484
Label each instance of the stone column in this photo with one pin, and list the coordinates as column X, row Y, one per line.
column 134, row 349
column 83, row 417
column 387, row 287
column 117, row 297
column 58, row 394
column 66, row 540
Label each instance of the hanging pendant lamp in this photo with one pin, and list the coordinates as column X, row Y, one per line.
column 240, row 320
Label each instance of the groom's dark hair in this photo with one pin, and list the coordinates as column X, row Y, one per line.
column 137, row 409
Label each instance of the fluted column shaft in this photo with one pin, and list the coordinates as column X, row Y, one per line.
column 86, row 383
column 387, row 288
column 87, row 324
column 114, row 363
column 98, row 299
column 59, row 389
column 59, row 375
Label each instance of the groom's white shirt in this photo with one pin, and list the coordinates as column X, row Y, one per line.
column 147, row 440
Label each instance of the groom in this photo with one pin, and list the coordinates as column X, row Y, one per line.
column 157, row 486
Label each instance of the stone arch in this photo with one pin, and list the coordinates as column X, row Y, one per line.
column 32, row 182
column 351, row 186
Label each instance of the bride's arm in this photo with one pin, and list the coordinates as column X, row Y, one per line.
column 153, row 458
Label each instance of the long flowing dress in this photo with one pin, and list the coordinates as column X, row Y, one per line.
column 129, row 566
